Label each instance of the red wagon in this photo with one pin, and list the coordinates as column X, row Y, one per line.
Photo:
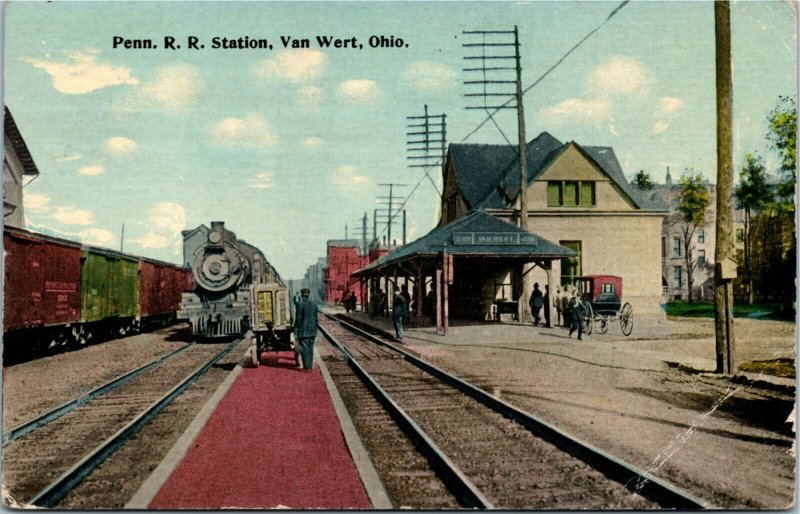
column 603, row 297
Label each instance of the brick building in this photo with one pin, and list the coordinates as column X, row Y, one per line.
column 343, row 258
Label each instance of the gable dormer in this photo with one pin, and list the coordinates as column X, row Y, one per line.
column 453, row 205
column 574, row 180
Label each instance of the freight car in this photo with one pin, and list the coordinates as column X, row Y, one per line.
column 62, row 293
column 236, row 290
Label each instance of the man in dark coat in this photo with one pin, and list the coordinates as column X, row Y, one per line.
column 399, row 313
column 578, row 313
column 536, row 303
column 305, row 329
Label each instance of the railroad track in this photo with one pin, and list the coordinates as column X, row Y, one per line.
column 489, row 453
column 52, row 459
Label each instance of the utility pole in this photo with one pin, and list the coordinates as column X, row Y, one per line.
column 523, row 166
column 494, row 69
column 427, row 142
column 404, row 227
column 122, row 238
column 364, row 233
column 725, row 267
column 390, row 201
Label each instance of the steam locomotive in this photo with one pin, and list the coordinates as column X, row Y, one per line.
column 236, row 290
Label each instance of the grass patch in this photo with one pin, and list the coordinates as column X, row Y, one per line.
column 706, row 310
column 776, row 367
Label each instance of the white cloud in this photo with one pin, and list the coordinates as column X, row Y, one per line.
column 252, row 130
column 174, row 87
column 660, row 126
column 97, row 237
column 261, row 181
column 37, row 203
column 81, row 74
column 348, row 178
column 68, row 158
column 72, row 216
column 293, row 65
column 577, row 109
column 314, row 142
column 621, row 76
column 669, row 104
column 94, row 169
column 430, row 77
column 120, row 146
column 164, row 225
column 358, row 91
column 309, row 95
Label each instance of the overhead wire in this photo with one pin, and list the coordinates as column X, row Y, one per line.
column 490, row 115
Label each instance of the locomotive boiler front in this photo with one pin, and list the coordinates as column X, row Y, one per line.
column 219, row 266
column 222, row 271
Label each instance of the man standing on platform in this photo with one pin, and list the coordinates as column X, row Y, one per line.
column 536, row 303
column 399, row 313
column 305, row 329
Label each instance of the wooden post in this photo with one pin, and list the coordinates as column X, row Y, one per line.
column 724, row 252
column 420, row 295
column 548, row 267
column 439, row 326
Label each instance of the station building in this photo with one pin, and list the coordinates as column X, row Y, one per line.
column 17, row 166
column 583, row 219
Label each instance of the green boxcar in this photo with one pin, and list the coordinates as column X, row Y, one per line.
column 109, row 286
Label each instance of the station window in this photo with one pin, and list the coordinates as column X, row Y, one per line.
column 571, row 266
column 701, row 257
column 570, row 193
column 677, row 275
column 701, row 235
column 676, row 246
column 739, row 235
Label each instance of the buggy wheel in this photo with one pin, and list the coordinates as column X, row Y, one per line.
column 588, row 321
column 603, row 324
column 626, row 319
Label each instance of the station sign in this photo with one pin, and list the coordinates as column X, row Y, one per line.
column 493, row 238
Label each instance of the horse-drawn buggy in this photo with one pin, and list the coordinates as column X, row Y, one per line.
column 602, row 296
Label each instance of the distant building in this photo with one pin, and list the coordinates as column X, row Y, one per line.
column 192, row 239
column 674, row 277
column 17, row 164
column 578, row 198
column 343, row 258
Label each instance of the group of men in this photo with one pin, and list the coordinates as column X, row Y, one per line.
column 577, row 309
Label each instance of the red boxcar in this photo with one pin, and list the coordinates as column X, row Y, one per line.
column 42, row 281
column 160, row 288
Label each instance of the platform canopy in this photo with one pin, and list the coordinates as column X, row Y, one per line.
column 477, row 234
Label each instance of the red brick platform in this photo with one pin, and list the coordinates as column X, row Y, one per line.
column 273, row 441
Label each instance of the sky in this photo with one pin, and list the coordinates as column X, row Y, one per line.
column 290, row 146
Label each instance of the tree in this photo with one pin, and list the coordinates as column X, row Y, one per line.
column 692, row 204
column 753, row 194
column 783, row 136
column 643, row 181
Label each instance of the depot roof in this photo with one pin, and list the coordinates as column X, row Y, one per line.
column 477, row 234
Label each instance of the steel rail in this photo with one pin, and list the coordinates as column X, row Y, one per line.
column 469, row 494
column 39, row 421
column 56, row 490
column 633, row 478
